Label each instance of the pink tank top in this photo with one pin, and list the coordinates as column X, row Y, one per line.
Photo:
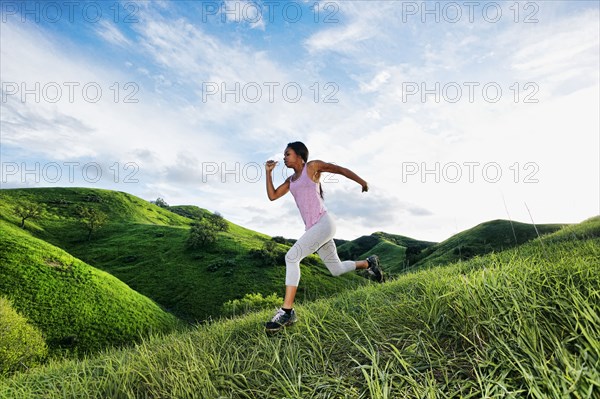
column 308, row 199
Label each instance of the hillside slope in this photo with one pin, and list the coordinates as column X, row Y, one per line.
column 399, row 253
column 495, row 235
column 77, row 307
column 520, row 323
column 145, row 246
column 392, row 249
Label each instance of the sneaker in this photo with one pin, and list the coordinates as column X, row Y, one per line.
column 281, row 320
column 374, row 269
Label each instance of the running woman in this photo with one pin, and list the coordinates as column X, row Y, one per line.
column 306, row 188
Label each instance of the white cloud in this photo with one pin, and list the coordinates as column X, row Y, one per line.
column 351, row 25
column 174, row 136
column 109, row 32
column 243, row 11
column 560, row 57
column 81, row 126
column 378, row 80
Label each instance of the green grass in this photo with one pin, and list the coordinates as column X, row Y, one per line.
column 524, row 322
column 144, row 246
column 78, row 308
column 390, row 255
column 492, row 236
column 392, row 250
column 399, row 253
column 60, row 203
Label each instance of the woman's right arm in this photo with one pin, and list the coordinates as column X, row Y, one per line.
column 272, row 192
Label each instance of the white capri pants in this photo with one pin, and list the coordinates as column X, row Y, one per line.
column 319, row 238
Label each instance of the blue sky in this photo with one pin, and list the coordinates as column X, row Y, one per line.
column 455, row 112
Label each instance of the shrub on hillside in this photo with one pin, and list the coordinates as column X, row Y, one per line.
column 269, row 246
column 269, row 254
column 266, row 258
column 21, row 344
column 204, row 232
column 283, row 240
column 218, row 221
column 251, row 303
column 161, row 202
column 227, row 264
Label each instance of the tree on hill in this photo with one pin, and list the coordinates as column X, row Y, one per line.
column 218, row 221
column 91, row 218
column 28, row 210
column 161, row 202
column 204, row 232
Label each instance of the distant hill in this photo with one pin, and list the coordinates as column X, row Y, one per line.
column 144, row 245
column 78, row 308
column 392, row 249
column 492, row 236
column 400, row 253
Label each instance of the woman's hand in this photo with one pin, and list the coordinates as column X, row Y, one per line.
column 272, row 192
column 365, row 186
column 270, row 165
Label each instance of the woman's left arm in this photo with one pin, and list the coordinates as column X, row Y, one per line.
column 320, row 166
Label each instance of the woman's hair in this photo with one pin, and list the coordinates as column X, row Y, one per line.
column 301, row 149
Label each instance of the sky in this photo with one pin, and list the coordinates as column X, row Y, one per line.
column 455, row 113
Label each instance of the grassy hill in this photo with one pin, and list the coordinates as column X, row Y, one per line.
column 399, row 253
column 78, row 308
column 523, row 322
column 145, row 246
column 495, row 235
column 391, row 248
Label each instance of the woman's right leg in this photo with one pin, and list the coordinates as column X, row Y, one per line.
column 310, row 241
column 307, row 244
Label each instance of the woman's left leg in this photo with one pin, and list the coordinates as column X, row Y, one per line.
column 328, row 254
column 318, row 238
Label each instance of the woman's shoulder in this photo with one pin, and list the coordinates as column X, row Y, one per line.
column 315, row 165
column 318, row 166
column 313, row 169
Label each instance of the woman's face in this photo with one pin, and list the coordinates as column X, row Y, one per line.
column 290, row 158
